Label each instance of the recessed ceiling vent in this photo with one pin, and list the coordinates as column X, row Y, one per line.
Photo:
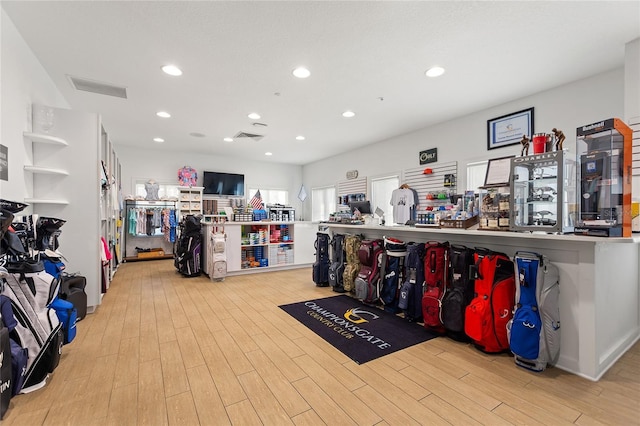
column 245, row 135
column 98, row 87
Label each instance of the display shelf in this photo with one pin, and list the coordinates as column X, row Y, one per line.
column 494, row 208
column 189, row 201
column 44, row 201
column 42, row 138
column 45, row 170
column 542, row 192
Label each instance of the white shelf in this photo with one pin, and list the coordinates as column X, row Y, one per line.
column 45, row 170
column 42, row 138
column 44, row 201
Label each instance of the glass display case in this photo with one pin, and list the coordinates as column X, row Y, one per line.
column 604, row 179
column 543, row 193
column 494, row 208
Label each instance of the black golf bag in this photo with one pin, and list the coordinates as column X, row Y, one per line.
column 320, row 272
column 336, row 269
column 188, row 259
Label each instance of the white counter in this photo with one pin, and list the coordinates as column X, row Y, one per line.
column 302, row 236
column 599, row 285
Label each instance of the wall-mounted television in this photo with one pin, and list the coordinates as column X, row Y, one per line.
column 216, row 183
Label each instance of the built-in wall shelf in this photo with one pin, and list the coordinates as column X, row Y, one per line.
column 42, row 138
column 44, row 201
column 45, row 170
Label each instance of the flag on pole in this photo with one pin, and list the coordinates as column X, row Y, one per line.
column 256, row 201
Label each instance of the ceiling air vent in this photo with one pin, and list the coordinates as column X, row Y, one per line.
column 246, row 135
column 98, row 87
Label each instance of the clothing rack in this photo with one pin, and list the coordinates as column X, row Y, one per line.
column 150, row 229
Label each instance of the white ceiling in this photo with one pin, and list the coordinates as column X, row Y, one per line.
column 369, row 57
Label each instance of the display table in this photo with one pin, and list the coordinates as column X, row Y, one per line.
column 599, row 285
column 265, row 245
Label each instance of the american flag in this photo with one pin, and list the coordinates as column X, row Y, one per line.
column 256, row 201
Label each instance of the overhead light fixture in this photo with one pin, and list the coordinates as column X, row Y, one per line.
column 197, row 134
column 172, row 70
column 228, row 139
column 300, row 138
column 163, row 114
column 348, row 114
column 301, row 72
column 268, row 154
column 159, row 140
column 254, row 116
column 434, row 72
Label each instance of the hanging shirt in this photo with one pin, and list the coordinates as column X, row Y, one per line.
column 402, row 202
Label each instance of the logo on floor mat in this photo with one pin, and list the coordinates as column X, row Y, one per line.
column 355, row 315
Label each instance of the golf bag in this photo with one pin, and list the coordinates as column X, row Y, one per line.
column 321, row 265
column 351, row 269
column 38, row 329
column 436, row 281
column 336, row 269
column 373, row 260
column 5, row 370
column 219, row 245
column 72, row 290
column 410, row 300
column 487, row 315
column 189, row 247
column 459, row 293
column 396, row 251
column 534, row 331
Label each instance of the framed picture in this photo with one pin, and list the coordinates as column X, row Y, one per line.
column 498, row 171
column 509, row 129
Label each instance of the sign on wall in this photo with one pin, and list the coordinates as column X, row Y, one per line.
column 4, row 163
column 429, row 156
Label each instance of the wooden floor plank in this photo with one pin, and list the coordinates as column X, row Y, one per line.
column 280, row 386
column 265, row 403
column 206, row 398
column 163, row 349
column 324, row 406
column 349, row 401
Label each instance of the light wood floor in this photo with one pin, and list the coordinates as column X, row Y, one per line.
column 163, row 349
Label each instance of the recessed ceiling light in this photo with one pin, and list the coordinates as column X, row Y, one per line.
column 434, row 72
column 268, row 153
column 348, row 114
column 254, row 116
column 228, row 139
column 301, row 72
column 197, row 135
column 163, row 114
column 172, row 70
column 300, row 138
column 159, row 140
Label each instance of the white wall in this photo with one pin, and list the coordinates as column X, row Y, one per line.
column 464, row 139
column 163, row 167
column 24, row 82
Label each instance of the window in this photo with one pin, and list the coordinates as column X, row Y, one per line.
column 475, row 175
column 381, row 191
column 167, row 190
column 270, row 196
column 323, row 202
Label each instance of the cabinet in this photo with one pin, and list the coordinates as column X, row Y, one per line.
column 189, row 201
column 543, row 193
column 259, row 246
